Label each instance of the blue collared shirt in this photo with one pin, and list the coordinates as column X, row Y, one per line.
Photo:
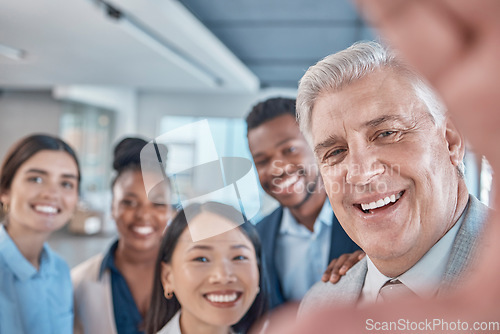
column 33, row 301
column 301, row 255
column 128, row 319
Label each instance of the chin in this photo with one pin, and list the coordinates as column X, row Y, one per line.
column 387, row 253
column 292, row 200
column 51, row 226
column 228, row 320
column 146, row 246
column 217, row 320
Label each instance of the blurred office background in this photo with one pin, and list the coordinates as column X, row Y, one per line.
column 95, row 71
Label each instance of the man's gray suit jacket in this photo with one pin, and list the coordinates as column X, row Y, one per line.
column 348, row 290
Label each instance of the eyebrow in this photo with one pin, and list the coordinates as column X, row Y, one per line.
column 38, row 171
column 382, row 119
column 43, row 172
column 332, row 140
column 328, row 142
column 277, row 145
column 283, row 141
column 200, row 247
column 240, row 246
column 207, row 247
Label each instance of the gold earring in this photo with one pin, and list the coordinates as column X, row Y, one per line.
column 169, row 295
column 5, row 208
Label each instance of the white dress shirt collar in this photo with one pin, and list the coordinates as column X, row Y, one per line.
column 301, row 256
column 289, row 225
column 423, row 278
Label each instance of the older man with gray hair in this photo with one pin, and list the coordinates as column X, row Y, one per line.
column 391, row 161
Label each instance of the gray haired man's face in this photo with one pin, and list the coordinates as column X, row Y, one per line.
column 389, row 171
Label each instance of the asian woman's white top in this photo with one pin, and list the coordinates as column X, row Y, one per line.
column 174, row 327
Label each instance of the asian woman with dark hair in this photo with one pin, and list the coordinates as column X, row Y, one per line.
column 208, row 282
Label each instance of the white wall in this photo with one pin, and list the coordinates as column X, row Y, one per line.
column 153, row 106
column 25, row 112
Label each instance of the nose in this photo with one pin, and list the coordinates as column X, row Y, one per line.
column 277, row 167
column 363, row 166
column 282, row 167
column 144, row 212
column 222, row 273
column 50, row 190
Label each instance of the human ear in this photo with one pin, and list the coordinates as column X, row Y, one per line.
column 5, row 197
column 456, row 142
column 167, row 279
column 114, row 209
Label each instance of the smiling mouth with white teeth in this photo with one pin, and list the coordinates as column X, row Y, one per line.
column 223, row 298
column 389, row 200
column 143, row 230
column 287, row 182
column 46, row 209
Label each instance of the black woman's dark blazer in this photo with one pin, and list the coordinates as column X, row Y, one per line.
column 268, row 229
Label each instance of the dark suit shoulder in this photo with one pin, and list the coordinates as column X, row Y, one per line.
column 270, row 221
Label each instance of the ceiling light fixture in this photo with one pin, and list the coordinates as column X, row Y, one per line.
column 12, row 53
column 149, row 38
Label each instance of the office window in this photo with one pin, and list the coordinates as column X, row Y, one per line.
column 188, row 149
column 89, row 130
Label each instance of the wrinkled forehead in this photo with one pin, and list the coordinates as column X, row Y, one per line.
column 365, row 100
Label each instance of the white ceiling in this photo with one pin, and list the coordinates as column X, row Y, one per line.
column 74, row 42
column 245, row 44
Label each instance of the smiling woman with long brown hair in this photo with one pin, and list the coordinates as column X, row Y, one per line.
column 39, row 183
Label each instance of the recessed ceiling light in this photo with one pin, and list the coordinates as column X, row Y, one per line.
column 12, row 53
column 150, row 39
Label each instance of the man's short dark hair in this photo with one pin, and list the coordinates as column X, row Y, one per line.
column 269, row 109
